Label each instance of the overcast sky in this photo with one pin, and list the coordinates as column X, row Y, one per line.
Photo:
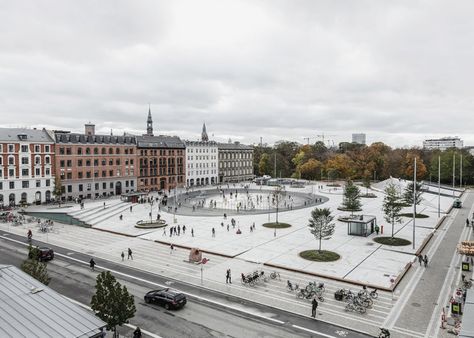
column 399, row 71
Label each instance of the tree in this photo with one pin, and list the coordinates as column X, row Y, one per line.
column 351, row 199
column 58, row 189
column 264, row 164
column 409, row 166
column 366, row 184
column 34, row 267
column 112, row 303
column 392, row 205
column 408, row 194
column 320, row 224
column 311, row 169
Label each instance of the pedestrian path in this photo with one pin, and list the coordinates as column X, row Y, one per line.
column 157, row 258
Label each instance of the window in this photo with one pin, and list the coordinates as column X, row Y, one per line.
column 111, row 173
column 79, row 174
column 96, row 162
column 69, row 163
column 46, row 149
column 11, row 172
column 47, row 171
column 97, row 186
column 37, row 148
column 12, row 184
column 79, row 151
column 38, row 183
column 25, row 184
column 104, row 174
column 111, row 185
column 88, row 186
column 25, row 172
column 61, row 163
column 11, row 160
column 80, row 187
column 46, row 160
column 24, row 148
column 79, row 163
column 104, row 162
column 88, row 174
column 104, row 185
column 117, row 151
column 88, row 151
column 131, row 183
column 88, row 163
column 11, row 148
column 103, row 151
column 61, row 151
column 25, row 160
column 96, row 151
column 96, row 174
column 1, row 173
column 1, row 186
column 69, row 176
column 69, row 188
column 68, row 151
column 117, row 161
column 111, row 162
column 37, row 160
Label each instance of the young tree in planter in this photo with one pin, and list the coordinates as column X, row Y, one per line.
column 58, row 189
column 366, row 184
column 408, row 194
column 112, row 303
column 392, row 205
column 351, row 199
column 34, row 267
column 320, row 224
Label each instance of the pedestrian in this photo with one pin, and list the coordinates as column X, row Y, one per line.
column 130, row 254
column 130, row 208
column 426, row 261
column 228, row 277
column 104, row 205
column 121, row 217
column 251, row 229
column 213, row 232
column 463, row 276
column 164, row 232
column 467, row 222
column 314, row 307
column 92, row 264
column 179, row 230
column 184, row 229
column 222, row 224
column 123, row 256
column 137, row 333
column 420, row 259
column 377, row 229
column 192, row 232
column 171, row 248
column 227, row 227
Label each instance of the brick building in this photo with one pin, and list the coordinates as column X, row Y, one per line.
column 161, row 160
column 235, row 162
column 26, row 166
column 91, row 165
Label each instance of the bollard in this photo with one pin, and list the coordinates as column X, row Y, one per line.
column 381, row 229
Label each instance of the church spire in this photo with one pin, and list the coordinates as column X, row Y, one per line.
column 204, row 136
column 149, row 123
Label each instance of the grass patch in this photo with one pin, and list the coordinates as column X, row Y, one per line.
column 323, row 256
column 417, row 215
column 395, row 241
column 369, row 195
column 344, row 209
column 278, row 225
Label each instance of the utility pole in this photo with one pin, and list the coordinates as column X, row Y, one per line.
column 460, row 174
column 454, row 170
column 275, row 167
column 439, row 186
column 414, row 203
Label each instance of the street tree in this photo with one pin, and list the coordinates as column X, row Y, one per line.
column 310, row 170
column 34, row 267
column 112, row 303
column 264, row 164
column 392, row 205
column 366, row 184
column 321, row 225
column 58, row 189
column 351, row 199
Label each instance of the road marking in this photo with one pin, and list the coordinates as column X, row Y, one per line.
column 313, row 331
column 133, row 327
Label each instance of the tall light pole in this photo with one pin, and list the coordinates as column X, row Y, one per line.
column 439, row 186
column 454, row 170
column 414, row 203
column 460, row 174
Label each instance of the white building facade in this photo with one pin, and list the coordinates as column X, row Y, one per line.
column 201, row 163
column 26, row 166
column 443, row 143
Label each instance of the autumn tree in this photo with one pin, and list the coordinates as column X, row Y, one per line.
column 264, row 164
column 311, row 169
column 339, row 166
column 410, row 166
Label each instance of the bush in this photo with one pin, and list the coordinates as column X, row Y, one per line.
column 323, row 256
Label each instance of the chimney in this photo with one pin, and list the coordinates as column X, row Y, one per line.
column 90, row 128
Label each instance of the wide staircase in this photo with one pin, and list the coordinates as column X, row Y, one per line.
column 97, row 214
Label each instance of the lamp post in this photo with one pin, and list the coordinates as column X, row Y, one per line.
column 439, row 186
column 414, row 202
column 454, row 170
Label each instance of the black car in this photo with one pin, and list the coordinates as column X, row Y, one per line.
column 43, row 254
column 168, row 298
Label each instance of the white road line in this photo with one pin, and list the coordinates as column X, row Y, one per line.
column 133, row 327
column 312, row 331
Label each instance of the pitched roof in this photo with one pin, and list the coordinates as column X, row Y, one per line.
column 32, row 135
column 161, row 141
column 28, row 308
column 93, row 139
column 234, row 146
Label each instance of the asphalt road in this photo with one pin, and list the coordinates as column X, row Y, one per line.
column 207, row 313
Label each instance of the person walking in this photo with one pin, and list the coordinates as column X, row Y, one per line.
column 130, row 254
column 425, row 260
column 314, row 307
column 192, row 232
column 467, row 222
column 164, row 232
column 123, row 256
column 420, row 259
column 171, row 248
column 184, row 229
column 92, row 264
column 130, row 208
column 213, row 232
column 228, row 277
column 137, row 333
column 179, row 230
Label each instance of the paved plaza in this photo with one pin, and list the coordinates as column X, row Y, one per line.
column 362, row 259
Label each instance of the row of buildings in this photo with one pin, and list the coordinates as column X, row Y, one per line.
column 87, row 165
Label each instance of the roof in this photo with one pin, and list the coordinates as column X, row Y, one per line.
column 93, row 139
column 32, row 135
column 234, row 146
column 28, row 308
column 161, row 141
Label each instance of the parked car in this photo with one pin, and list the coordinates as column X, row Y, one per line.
column 457, row 203
column 170, row 299
column 43, row 254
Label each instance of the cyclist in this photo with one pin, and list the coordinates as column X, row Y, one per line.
column 29, row 235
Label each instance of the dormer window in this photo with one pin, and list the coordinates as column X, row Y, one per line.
column 22, row 137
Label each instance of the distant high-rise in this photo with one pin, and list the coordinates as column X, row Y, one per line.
column 443, row 143
column 358, row 138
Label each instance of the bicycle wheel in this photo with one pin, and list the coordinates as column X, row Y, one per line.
column 374, row 294
column 308, row 288
column 321, row 299
column 361, row 309
column 349, row 307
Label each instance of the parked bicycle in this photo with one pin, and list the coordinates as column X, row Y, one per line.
column 351, row 306
column 274, row 275
column 384, row 333
column 317, row 288
column 291, row 287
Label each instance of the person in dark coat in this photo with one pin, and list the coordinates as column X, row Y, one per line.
column 137, row 333
column 130, row 254
column 92, row 264
column 314, row 307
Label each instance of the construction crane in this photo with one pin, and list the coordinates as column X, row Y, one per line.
column 308, row 138
column 322, row 136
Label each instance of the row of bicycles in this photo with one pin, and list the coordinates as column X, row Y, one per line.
column 357, row 302
column 310, row 291
column 258, row 277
